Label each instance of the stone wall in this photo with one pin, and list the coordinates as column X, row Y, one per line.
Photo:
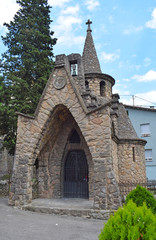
column 131, row 162
column 6, row 160
column 33, row 135
column 115, row 160
column 94, row 85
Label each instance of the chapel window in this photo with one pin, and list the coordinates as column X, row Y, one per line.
column 87, row 85
column 74, row 138
column 102, row 88
column 133, row 152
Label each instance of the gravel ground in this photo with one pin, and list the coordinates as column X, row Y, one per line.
column 17, row 224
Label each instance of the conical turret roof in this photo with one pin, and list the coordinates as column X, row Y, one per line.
column 90, row 59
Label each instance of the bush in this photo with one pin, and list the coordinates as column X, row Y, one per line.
column 130, row 223
column 5, row 177
column 141, row 195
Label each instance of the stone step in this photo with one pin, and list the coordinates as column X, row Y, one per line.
column 57, row 207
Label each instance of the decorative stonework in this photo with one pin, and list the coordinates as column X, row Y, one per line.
column 59, row 83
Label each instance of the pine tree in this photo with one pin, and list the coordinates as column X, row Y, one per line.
column 26, row 65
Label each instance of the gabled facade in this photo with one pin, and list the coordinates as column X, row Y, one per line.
column 80, row 142
column 143, row 120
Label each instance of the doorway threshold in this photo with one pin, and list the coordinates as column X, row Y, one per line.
column 68, row 207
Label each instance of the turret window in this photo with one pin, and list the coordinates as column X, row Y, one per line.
column 133, row 151
column 102, row 88
column 87, row 85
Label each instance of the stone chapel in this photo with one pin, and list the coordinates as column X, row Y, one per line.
column 80, row 142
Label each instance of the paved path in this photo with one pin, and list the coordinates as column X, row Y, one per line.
column 16, row 224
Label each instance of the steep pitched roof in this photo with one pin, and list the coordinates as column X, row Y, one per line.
column 125, row 127
column 90, row 59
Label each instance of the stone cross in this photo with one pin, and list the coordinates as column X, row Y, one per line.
column 88, row 23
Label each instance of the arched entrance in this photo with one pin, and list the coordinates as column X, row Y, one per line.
column 76, row 175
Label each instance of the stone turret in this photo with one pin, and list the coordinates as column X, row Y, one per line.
column 100, row 84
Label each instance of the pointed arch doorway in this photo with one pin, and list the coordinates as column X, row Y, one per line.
column 76, row 175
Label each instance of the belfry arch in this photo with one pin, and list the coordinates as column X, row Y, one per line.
column 61, row 140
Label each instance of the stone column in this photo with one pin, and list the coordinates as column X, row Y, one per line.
column 21, row 187
column 98, row 137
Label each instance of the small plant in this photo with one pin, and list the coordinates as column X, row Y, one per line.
column 130, row 223
column 5, row 177
column 34, row 180
column 141, row 195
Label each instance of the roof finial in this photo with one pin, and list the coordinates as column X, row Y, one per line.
column 88, row 23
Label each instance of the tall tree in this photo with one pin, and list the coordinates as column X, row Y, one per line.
column 26, row 64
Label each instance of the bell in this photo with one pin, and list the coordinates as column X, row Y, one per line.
column 73, row 68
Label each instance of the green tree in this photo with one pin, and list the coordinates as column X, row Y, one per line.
column 7, row 116
column 140, row 195
column 26, row 65
column 130, row 223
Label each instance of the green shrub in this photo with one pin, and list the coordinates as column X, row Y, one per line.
column 141, row 195
column 130, row 223
column 5, row 177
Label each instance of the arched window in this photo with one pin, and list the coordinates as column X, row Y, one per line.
column 87, row 85
column 74, row 137
column 102, row 88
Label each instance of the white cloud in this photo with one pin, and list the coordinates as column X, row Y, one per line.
column 126, row 100
column 145, row 99
column 92, row 4
column 58, row 3
column 152, row 22
column 66, row 40
column 126, row 80
column 110, row 57
column 132, row 29
column 124, row 94
column 147, row 62
column 65, row 29
column 73, row 10
column 7, row 11
column 147, row 77
column 65, row 24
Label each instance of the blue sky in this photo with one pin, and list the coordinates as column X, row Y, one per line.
column 124, row 34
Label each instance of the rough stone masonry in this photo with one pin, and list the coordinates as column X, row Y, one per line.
column 80, row 142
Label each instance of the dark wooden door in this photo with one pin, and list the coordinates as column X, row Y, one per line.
column 76, row 175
